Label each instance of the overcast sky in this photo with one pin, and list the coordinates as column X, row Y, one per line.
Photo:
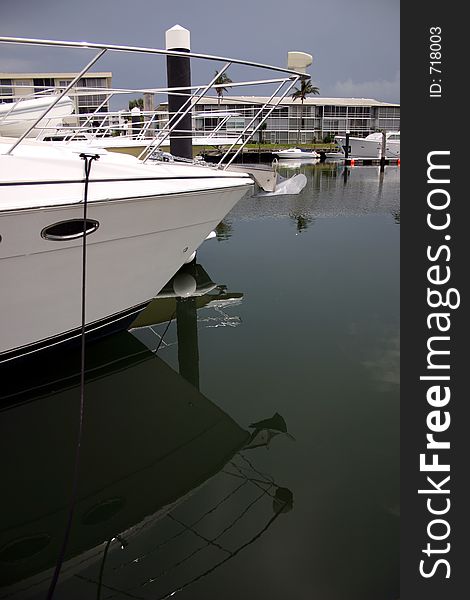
column 355, row 43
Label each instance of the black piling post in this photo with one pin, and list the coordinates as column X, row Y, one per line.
column 346, row 147
column 383, row 153
column 179, row 75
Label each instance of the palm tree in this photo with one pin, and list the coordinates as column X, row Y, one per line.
column 136, row 121
column 136, row 103
column 306, row 88
column 261, row 130
column 222, row 80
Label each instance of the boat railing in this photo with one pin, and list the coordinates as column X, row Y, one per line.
column 154, row 137
column 119, row 124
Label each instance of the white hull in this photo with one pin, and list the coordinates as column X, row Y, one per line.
column 142, row 239
column 146, row 219
column 365, row 148
column 16, row 118
column 138, row 247
column 296, row 153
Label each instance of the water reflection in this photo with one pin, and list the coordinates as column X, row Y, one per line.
column 332, row 190
column 297, row 165
column 266, row 429
column 293, row 343
column 190, row 290
column 302, row 222
column 151, row 443
column 223, row 230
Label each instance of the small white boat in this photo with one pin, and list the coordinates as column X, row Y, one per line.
column 296, row 153
column 371, row 146
column 17, row 117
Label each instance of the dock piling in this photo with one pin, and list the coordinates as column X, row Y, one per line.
column 179, row 75
column 383, row 153
column 346, row 147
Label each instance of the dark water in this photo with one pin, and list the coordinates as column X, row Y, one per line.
column 243, row 443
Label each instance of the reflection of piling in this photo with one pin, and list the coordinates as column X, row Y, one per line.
column 179, row 75
column 188, row 351
column 381, row 182
column 346, row 157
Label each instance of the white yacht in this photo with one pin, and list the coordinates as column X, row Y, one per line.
column 144, row 219
column 371, row 146
column 16, row 117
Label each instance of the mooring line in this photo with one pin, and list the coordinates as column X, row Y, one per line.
column 88, row 158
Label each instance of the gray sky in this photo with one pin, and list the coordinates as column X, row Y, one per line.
column 355, row 43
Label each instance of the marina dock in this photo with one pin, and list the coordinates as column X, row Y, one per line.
column 267, row 156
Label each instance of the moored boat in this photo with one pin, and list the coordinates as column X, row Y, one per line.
column 139, row 220
column 16, row 117
column 371, row 146
column 296, row 153
column 143, row 221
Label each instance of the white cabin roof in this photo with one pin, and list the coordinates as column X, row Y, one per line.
column 311, row 101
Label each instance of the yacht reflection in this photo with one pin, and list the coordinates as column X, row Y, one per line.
column 297, row 164
column 264, row 431
column 158, row 462
column 223, row 230
column 302, row 221
column 191, row 282
column 188, row 291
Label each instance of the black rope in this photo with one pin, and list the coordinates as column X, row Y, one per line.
column 103, row 560
column 88, row 158
column 164, row 333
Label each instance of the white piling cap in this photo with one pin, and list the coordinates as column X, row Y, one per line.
column 177, row 37
column 299, row 61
